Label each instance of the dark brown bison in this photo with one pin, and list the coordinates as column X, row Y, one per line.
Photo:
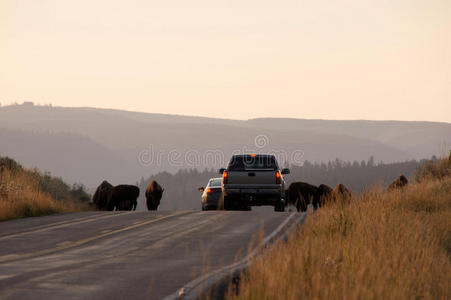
column 300, row 194
column 123, row 197
column 341, row 194
column 400, row 182
column 100, row 198
column 324, row 194
column 154, row 192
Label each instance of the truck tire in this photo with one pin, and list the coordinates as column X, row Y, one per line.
column 280, row 206
column 228, row 203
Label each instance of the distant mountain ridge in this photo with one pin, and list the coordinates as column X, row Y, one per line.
column 90, row 144
column 403, row 135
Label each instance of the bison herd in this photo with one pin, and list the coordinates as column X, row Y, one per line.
column 298, row 194
column 125, row 197
column 301, row 194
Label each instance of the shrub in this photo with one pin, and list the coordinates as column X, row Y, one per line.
column 26, row 193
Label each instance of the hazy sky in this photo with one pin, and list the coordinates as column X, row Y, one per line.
column 238, row 59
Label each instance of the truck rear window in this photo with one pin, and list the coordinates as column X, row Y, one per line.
column 248, row 162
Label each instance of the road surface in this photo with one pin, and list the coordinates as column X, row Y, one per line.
column 121, row 255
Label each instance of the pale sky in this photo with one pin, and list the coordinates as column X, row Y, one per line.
column 236, row 59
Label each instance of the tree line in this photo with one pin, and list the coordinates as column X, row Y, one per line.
column 181, row 188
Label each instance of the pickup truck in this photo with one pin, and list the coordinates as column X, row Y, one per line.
column 253, row 180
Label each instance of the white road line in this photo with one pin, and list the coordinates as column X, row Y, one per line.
column 63, row 224
column 69, row 244
column 194, row 288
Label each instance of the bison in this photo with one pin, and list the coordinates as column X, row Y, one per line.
column 100, row 198
column 324, row 194
column 400, row 182
column 154, row 192
column 123, row 197
column 300, row 194
column 341, row 194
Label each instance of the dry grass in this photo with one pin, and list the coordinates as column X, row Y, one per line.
column 393, row 245
column 20, row 196
column 438, row 168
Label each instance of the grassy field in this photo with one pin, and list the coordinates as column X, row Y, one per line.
column 394, row 245
column 28, row 193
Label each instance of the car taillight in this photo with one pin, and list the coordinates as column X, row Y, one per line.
column 211, row 191
column 278, row 177
column 225, row 177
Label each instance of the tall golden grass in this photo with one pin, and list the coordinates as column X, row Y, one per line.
column 394, row 245
column 437, row 168
column 21, row 196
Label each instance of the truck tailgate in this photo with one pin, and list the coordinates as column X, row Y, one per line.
column 250, row 177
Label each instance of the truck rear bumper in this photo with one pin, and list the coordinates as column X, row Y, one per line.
column 252, row 189
column 254, row 196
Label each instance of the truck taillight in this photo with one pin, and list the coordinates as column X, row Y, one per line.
column 225, row 177
column 278, row 177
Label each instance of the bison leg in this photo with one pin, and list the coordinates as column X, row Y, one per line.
column 315, row 203
column 148, row 203
column 300, row 205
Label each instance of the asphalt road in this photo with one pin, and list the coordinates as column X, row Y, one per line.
column 122, row 255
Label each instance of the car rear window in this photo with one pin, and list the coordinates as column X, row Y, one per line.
column 248, row 162
column 215, row 182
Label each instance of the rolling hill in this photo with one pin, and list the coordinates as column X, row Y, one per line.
column 88, row 145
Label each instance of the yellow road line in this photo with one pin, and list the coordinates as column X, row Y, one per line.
column 69, row 244
column 64, row 224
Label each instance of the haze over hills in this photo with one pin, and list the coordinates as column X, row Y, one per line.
column 88, row 145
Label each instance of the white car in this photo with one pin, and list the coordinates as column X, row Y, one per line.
column 211, row 194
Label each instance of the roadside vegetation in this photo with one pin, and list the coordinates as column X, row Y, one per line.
column 384, row 245
column 28, row 192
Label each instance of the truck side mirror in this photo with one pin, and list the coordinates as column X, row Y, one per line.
column 285, row 171
column 221, row 170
